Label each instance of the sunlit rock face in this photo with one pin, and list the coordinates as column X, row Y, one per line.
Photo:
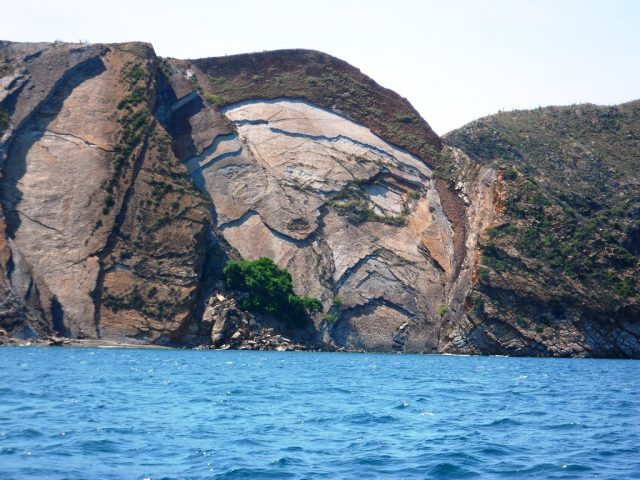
column 54, row 207
column 357, row 221
column 128, row 180
column 102, row 244
column 94, row 243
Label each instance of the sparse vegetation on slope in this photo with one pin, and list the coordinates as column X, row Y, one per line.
column 571, row 223
column 134, row 119
column 159, row 238
column 354, row 204
column 324, row 80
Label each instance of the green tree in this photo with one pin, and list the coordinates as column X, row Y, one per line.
column 269, row 289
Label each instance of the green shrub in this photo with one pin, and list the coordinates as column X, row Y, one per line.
column 131, row 301
column 213, row 99
column 4, row 121
column 138, row 95
column 311, row 304
column 132, row 73
column 132, row 132
column 491, row 232
column 442, row 310
column 330, row 318
column 510, row 174
column 406, row 119
column 478, row 305
column 269, row 290
column 338, row 301
column 510, row 229
column 354, row 204
column 500, row 265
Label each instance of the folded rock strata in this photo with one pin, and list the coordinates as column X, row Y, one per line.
column 128, row 180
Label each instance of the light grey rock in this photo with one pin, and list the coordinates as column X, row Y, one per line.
column 273, row 184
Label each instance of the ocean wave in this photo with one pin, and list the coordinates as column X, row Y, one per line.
column 503, row 422
column 448, row 470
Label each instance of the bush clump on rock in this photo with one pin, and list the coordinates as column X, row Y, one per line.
column 269, row 290
column 4, row 121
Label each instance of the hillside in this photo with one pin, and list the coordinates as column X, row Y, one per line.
column 129, row 180
column 309, row 171
column 104, row 230
column 561, row 265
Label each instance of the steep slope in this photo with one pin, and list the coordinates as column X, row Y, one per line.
column 79, row 160
column 128, row 180
column 330, row 175
column 323, row 80
column 559, row 270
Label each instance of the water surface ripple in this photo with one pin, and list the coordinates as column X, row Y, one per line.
column 164, row 414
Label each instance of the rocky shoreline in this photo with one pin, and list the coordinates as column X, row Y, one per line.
column 230, row 329
column 235, row 329
column 276, row 343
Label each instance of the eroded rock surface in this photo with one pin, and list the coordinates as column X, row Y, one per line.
column 83, row 160
column 48, row 198
column 357, row 221
column 129, row 180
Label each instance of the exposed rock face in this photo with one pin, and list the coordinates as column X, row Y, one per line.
column 81, row 152
column 46, row 195
column 352, row 217
column 558, row 271
column 128, row 180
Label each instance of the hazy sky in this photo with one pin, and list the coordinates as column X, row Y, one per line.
column 454, row 60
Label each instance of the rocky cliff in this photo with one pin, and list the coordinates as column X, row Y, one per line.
column 558, row 272
column 104, row 232
column 128, row 180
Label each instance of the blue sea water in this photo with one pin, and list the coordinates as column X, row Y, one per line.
column 159, row 414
